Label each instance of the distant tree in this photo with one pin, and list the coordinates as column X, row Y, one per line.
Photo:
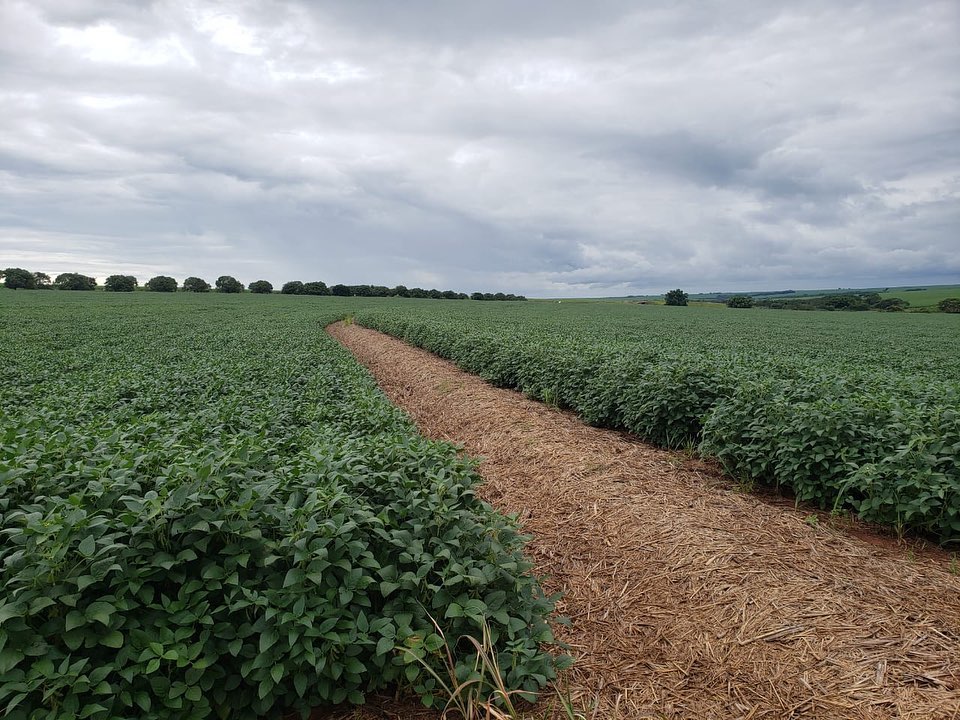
column 949, row 305
column 229, row 284
column 74, row 281
column 418, row 293
column 120, row 283
column 162, row 283
column 261, row 287
column 401, row 291
column 847, row 301
column 369, row 291
column 892, row 305
column 340, row 290
column 294, row 287
column 676, row 297
column 19, row 279
column 740, row 301
column 316, row 288
column 490, row 296
column 835, row 302
column 42, row 280
column 435, row 294
column 195, row 284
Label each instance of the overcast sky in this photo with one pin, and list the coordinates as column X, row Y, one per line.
column 554, row 148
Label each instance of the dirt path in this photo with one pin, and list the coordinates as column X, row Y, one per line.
column 689, row 599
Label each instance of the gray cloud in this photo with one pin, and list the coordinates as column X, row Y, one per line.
column 548, row 147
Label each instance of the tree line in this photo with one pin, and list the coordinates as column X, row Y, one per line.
column 20, row 279
column 295, row 287
column 838, row 301
column 849, row 301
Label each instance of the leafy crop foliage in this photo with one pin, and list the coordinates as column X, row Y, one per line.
column 224, row 517
column 848, row 411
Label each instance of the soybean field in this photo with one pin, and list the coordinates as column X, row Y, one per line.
column 851, row 411
column 208, row 509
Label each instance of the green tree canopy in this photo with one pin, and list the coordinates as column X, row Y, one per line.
column 740, row 301
column 894, row 304
column 195, row 284
column 949, row 305
column 120, row 283
column 676, row 297
column 74, row 281
column 161, row 283
column 19, row 279
column 229, row 284
column 261, row 287
column 315, row 288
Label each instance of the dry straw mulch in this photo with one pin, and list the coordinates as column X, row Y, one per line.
column 689, row 599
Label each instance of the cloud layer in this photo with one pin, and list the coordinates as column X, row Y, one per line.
column 551, row 148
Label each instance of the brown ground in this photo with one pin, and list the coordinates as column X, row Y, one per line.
column 688, row 598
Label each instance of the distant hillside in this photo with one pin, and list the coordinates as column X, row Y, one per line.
column 918, row 297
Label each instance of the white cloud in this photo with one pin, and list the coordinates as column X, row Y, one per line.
column 103, row 43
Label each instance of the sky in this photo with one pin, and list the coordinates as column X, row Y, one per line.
column 553, row 148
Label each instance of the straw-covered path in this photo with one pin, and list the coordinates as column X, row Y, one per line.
column 689, row 599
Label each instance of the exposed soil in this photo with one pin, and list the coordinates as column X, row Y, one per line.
column 689, row 598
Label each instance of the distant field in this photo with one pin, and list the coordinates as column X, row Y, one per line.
column 848, row 410
column 927, row 297
column 919, row 296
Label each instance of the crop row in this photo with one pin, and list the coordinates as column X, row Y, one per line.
column 208, row 509
column 835, row 420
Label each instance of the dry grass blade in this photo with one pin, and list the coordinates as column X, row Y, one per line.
column 466, row 698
